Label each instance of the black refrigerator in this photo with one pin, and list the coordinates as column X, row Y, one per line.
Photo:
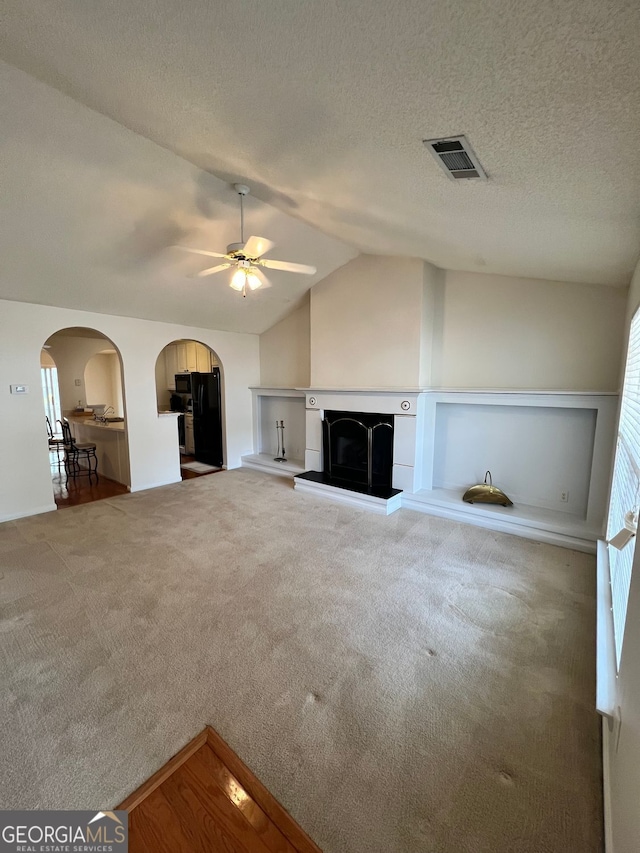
column 207, row 417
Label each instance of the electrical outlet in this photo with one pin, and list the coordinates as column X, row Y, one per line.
column 564, row 497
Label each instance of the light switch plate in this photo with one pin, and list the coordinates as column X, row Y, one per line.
column 19, row 389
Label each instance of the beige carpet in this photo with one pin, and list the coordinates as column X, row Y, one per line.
column 400, row 684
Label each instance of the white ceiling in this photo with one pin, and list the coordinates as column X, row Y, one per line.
column 322, row 106
column 90, row 210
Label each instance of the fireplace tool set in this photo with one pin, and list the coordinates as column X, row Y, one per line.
column 280, row 457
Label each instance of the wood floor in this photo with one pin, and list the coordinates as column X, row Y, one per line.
column 189, row 475
column 206, row 800
column 81, row 490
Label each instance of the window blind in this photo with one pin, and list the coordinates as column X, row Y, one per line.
column 625, row 488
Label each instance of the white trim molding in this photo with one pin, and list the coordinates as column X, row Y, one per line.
column 35, row 511
column 606, row 674
column 606, row 683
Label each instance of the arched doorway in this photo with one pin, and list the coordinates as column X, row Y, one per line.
column 88, row 368
column 189, row 381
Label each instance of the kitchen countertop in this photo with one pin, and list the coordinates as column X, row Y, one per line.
column 90, row 422
column 164, row 414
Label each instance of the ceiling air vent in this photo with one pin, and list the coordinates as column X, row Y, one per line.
column 456, row 157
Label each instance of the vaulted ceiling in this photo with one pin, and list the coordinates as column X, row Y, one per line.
column 322, row 107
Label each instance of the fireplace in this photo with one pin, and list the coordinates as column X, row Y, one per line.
column 358, row 449
column 358, row 453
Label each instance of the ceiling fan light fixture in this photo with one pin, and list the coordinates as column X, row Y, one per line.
column 238, row 280
column 253, row 281
column 243, row 278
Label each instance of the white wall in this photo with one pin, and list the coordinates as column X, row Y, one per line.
column 285, row 351
column 396, row 322
column 101, row 381
column 432, row 325
column 153, row 445
column 366, row 324
column 71, row 355
column 163, row 395
column 503, row 332
column 623, row 743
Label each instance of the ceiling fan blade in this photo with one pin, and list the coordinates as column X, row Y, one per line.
column 255, row 247
column 305, row 269
column 211, row 270
column 200, row 252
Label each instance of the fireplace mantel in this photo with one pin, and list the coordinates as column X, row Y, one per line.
column 430, row 426
column 567, row 438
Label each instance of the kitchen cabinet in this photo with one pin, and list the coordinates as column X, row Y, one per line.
column 183, row 362
column 203, row 359
column 171, row 366
column 189, row 442
column 192, row 356
column 187, row 357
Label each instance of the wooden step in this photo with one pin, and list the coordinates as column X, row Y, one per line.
column 206, row 799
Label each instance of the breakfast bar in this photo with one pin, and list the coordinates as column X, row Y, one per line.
column 112, row 448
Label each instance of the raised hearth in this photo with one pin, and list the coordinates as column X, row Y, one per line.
column 383, row 500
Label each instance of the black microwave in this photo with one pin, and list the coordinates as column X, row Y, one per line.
column 183, row 383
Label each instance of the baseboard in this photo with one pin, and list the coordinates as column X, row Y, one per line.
column 155, row 485
column 35, row 511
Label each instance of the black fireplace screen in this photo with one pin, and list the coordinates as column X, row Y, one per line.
column 358, row 448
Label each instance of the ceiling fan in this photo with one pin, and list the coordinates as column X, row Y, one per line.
column 246, row 257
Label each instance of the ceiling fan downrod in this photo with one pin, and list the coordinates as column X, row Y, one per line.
column 242, row 190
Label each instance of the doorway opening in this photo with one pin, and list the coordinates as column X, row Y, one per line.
column 50, row 392
column 84, row 405
column 189, row 382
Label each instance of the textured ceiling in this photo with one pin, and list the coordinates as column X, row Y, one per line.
column 322, row 106
column 90, row 210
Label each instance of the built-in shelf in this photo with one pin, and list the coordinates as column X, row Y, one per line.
column 271, row 406
column 550, row 450
column 266, row 463
column 530, row 522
